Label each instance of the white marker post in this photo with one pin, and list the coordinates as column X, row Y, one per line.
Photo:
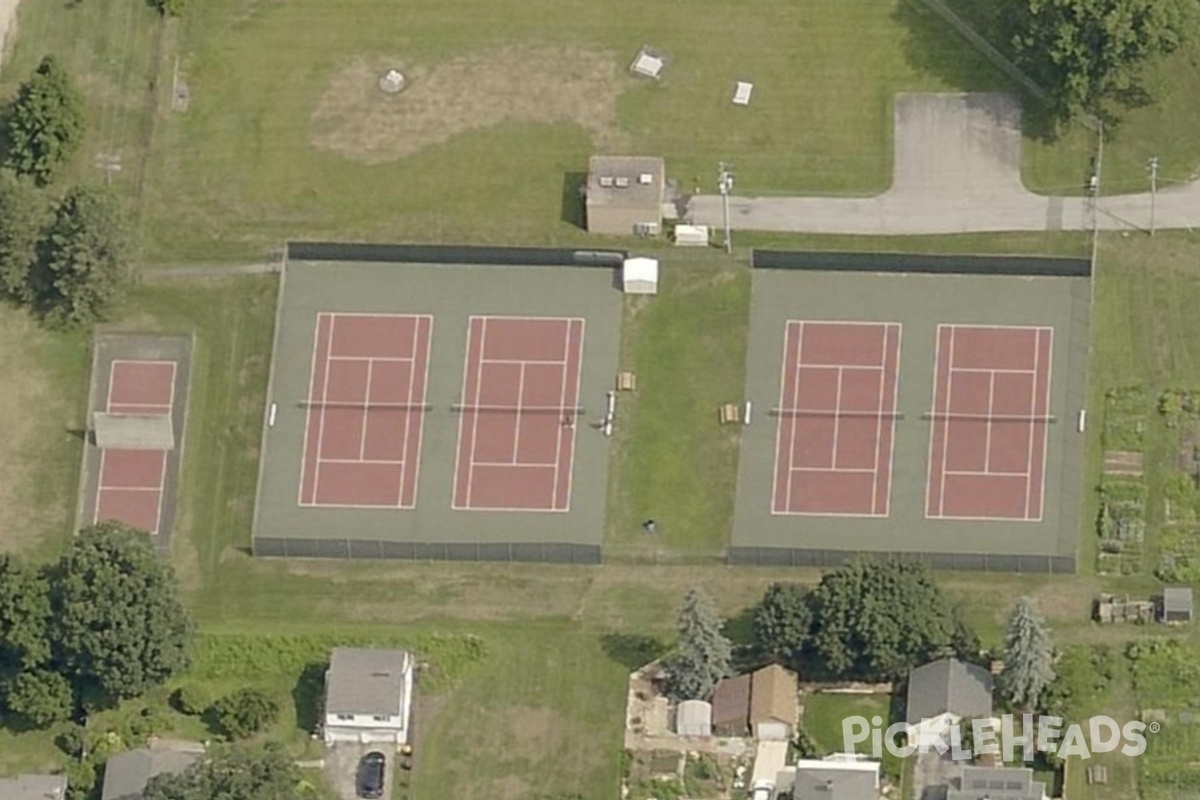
column 271, row 415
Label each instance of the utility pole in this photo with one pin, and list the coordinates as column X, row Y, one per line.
column 725, row 185
column 1152, row 166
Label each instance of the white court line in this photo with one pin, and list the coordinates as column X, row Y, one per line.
column 403, row 359
column 524, row 362
column 511, row 464
column 475, row 414
column 849, row 470
column 946, row 422
column 987, row 428
column 562, row 403
column 408, row 418
column 879, row 419
column 99, row 479
column 312, row 374
column 570, row 466
column 378, row 461
column 937, row 360
column 518, row 415
column 995, row 371
column 795, row 377
column 783, row 364
column 462, row 420
column 1045, row 429
column 887, row 501
column 428, row 320
column 837, row 419
column 128, row 489
column 112, row 370
column 849, row 514
column 362, row 432
column 162, row 490
column 324, row 398
column 1033, row 403
column 139, row 405
column 986, row 473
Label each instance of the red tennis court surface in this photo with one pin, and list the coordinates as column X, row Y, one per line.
column 837, row 417
column 362, row 438
column 516, row 436
column 987, row 449
column 131, row 483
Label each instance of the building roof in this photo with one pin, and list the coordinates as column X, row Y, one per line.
column 619, row 182
column 362, row 680
column 774, row 696
column 33, row 787
column 1177, row 599
column 997, row 783
column 731, row 702
column 693, row 718
column 948, row 685
column 126, row 774
column 836, row 780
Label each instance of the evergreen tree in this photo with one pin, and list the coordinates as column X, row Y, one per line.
column 702, row 655
column 1028, row 657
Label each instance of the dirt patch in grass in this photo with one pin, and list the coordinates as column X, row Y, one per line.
column 513, row 84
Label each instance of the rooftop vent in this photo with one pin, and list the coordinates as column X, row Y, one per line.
column 646, row 178
column 606, row 181
column 622, row 183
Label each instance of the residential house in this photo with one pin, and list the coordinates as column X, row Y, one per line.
column 996, row 783
column 943, row 693
column 834, row 778
column 33, row 787
column 368, row 696
column 774, row 703
column 126, row 774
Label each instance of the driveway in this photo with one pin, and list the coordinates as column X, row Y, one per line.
column 933, row 774
column 341, row 767
column 957, row 170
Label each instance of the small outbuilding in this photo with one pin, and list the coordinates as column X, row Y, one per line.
column 33, row 787
column 1177, row 604
column 640, row 276
column 731, row 706
column 694, row 718
column 624, row 195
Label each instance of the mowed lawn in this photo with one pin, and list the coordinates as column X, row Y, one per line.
column 506, row 103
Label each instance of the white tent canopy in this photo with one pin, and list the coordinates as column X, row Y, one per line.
column 693, row 718
column 640, row 275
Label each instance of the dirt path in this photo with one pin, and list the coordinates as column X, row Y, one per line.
column 8, row 24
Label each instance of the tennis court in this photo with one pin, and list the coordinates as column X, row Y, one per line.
column 516, row 433
column 837, row 414
column 950, row 447
column 987, row 451
column 362, row 440
column 438, row 410
column 132, row 481
column 139, row 385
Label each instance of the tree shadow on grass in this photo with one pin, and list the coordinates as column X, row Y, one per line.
column 307, row 696
column 573, row 205
column 632, row 650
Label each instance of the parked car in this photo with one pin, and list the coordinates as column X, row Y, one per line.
column 370, row 776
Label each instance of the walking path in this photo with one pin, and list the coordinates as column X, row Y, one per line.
column 957, row 170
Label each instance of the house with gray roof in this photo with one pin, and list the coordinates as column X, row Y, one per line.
column 1177, row 604
column 33, row 787
column 830, row 779
column 943, row 693
column 997, row 783
column 126, row 774
column 368, row 696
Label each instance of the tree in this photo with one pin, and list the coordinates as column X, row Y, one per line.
column 170, row 8
column 23, row 216
column 245, row 712
column 24, row 617
column 878, row 619
column 782, row 620
column 119, row 626
column 82, row 272
column 239, row 773
column 1090, row 52
column 46, row 122
column 701, row 657
column 1028, row 657
column 40, row 696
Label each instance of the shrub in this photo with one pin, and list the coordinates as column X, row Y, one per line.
column 245, row 712
column 192, row 700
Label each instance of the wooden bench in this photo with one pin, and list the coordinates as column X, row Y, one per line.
column 730, row 412
column 626, row 382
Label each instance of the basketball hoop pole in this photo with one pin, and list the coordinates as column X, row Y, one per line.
column 725, row 185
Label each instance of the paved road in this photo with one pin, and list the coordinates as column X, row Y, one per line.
column 957, row 170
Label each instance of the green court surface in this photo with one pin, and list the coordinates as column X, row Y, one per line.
column 918, row 303
column 432, row 528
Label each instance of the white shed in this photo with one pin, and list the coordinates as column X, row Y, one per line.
column 640, row 276
column 693, row 718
